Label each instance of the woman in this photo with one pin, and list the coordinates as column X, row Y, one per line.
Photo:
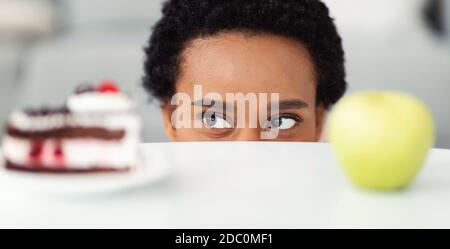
column 286, row 49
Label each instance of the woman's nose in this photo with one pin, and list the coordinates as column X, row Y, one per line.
column 248, row 134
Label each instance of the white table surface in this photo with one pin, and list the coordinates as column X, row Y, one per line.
column 245, row 185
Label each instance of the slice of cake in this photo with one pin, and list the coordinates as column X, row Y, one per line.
column 96, row 130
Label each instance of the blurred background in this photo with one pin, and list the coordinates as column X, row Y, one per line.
column 49, row 46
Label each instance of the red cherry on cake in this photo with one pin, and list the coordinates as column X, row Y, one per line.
column 108, row 86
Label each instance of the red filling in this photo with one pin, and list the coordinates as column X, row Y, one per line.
column 37, row 151
column 37, row 148
column 58, row 153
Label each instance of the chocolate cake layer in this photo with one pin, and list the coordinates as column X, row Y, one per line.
column 44, row 169
column 67, row 133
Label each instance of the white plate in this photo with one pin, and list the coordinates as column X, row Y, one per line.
column 153, row 167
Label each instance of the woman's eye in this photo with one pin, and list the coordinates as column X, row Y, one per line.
column 282, row 123
column 216, row 121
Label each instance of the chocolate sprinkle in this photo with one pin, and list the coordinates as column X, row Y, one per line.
column 85, row 88
column 45, row 111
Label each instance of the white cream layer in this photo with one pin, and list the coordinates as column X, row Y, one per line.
column 99, row 102
column 78, row 153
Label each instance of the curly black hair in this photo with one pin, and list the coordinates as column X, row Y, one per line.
column 306, row 21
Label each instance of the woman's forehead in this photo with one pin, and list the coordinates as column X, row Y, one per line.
column 234, row 62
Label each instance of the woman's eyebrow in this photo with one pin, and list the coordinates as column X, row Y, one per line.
column 201, row 102
column 292, row 104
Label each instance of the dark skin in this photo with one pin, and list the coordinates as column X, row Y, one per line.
column 260, row 63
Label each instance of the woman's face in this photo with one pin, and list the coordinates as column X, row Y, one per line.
column 230, row 63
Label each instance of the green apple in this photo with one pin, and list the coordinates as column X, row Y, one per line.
column 381, row 138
